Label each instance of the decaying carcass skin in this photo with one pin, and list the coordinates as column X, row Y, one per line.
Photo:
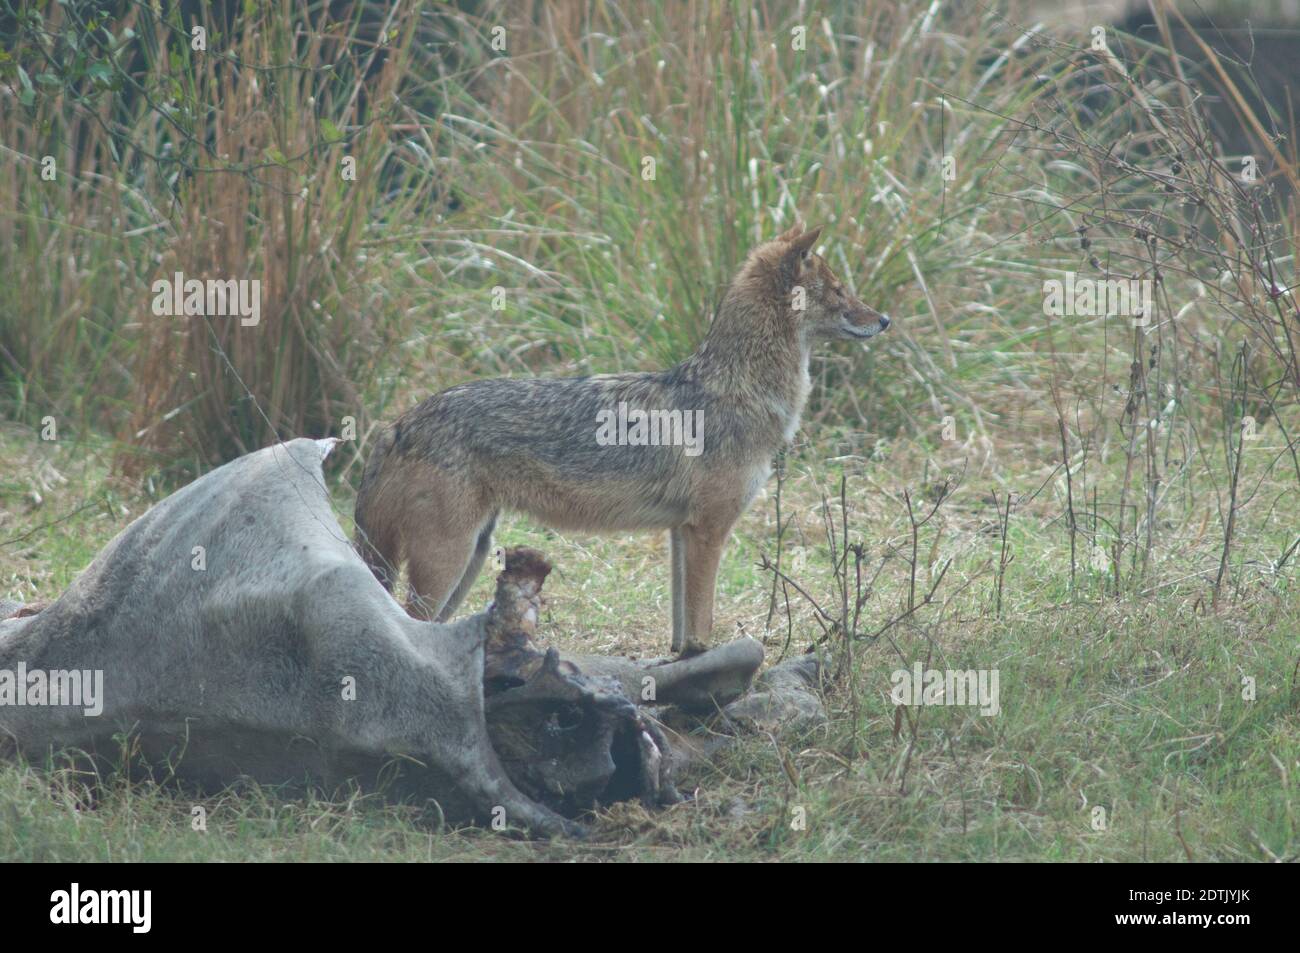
column 786, row 698
column 239, row 635
column 701, row 683
column 565, row 737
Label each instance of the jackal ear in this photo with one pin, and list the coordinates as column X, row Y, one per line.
column 790, row 234
column 794, row 257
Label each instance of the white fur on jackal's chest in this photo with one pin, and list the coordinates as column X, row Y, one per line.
column 758, row 475
column 789, row 411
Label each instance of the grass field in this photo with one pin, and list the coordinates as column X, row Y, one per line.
column 1134, row 705
column 1099, row 506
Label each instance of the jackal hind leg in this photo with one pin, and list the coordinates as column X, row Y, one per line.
column 482, row 547
column 440, row 535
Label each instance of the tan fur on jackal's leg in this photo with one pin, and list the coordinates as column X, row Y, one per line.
column 481, row 550
column 380, row 549
column 677, row 585
column 435, row 567
column 441, row 539
column 703, row 552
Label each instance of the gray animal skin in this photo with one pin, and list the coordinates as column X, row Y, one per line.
column 241, row 666
column 229, row 620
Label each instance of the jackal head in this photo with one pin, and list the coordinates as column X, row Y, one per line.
column 818, row 299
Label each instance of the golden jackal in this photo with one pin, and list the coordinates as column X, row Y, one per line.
column 684, row 449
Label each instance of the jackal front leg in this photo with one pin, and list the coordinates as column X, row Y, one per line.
column 702, row 550
column 677, row 560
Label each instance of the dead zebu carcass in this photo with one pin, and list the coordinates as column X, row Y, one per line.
column 239, row 635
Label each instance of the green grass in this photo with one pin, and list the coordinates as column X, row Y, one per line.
column 517, row 175
column 1131, row 704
